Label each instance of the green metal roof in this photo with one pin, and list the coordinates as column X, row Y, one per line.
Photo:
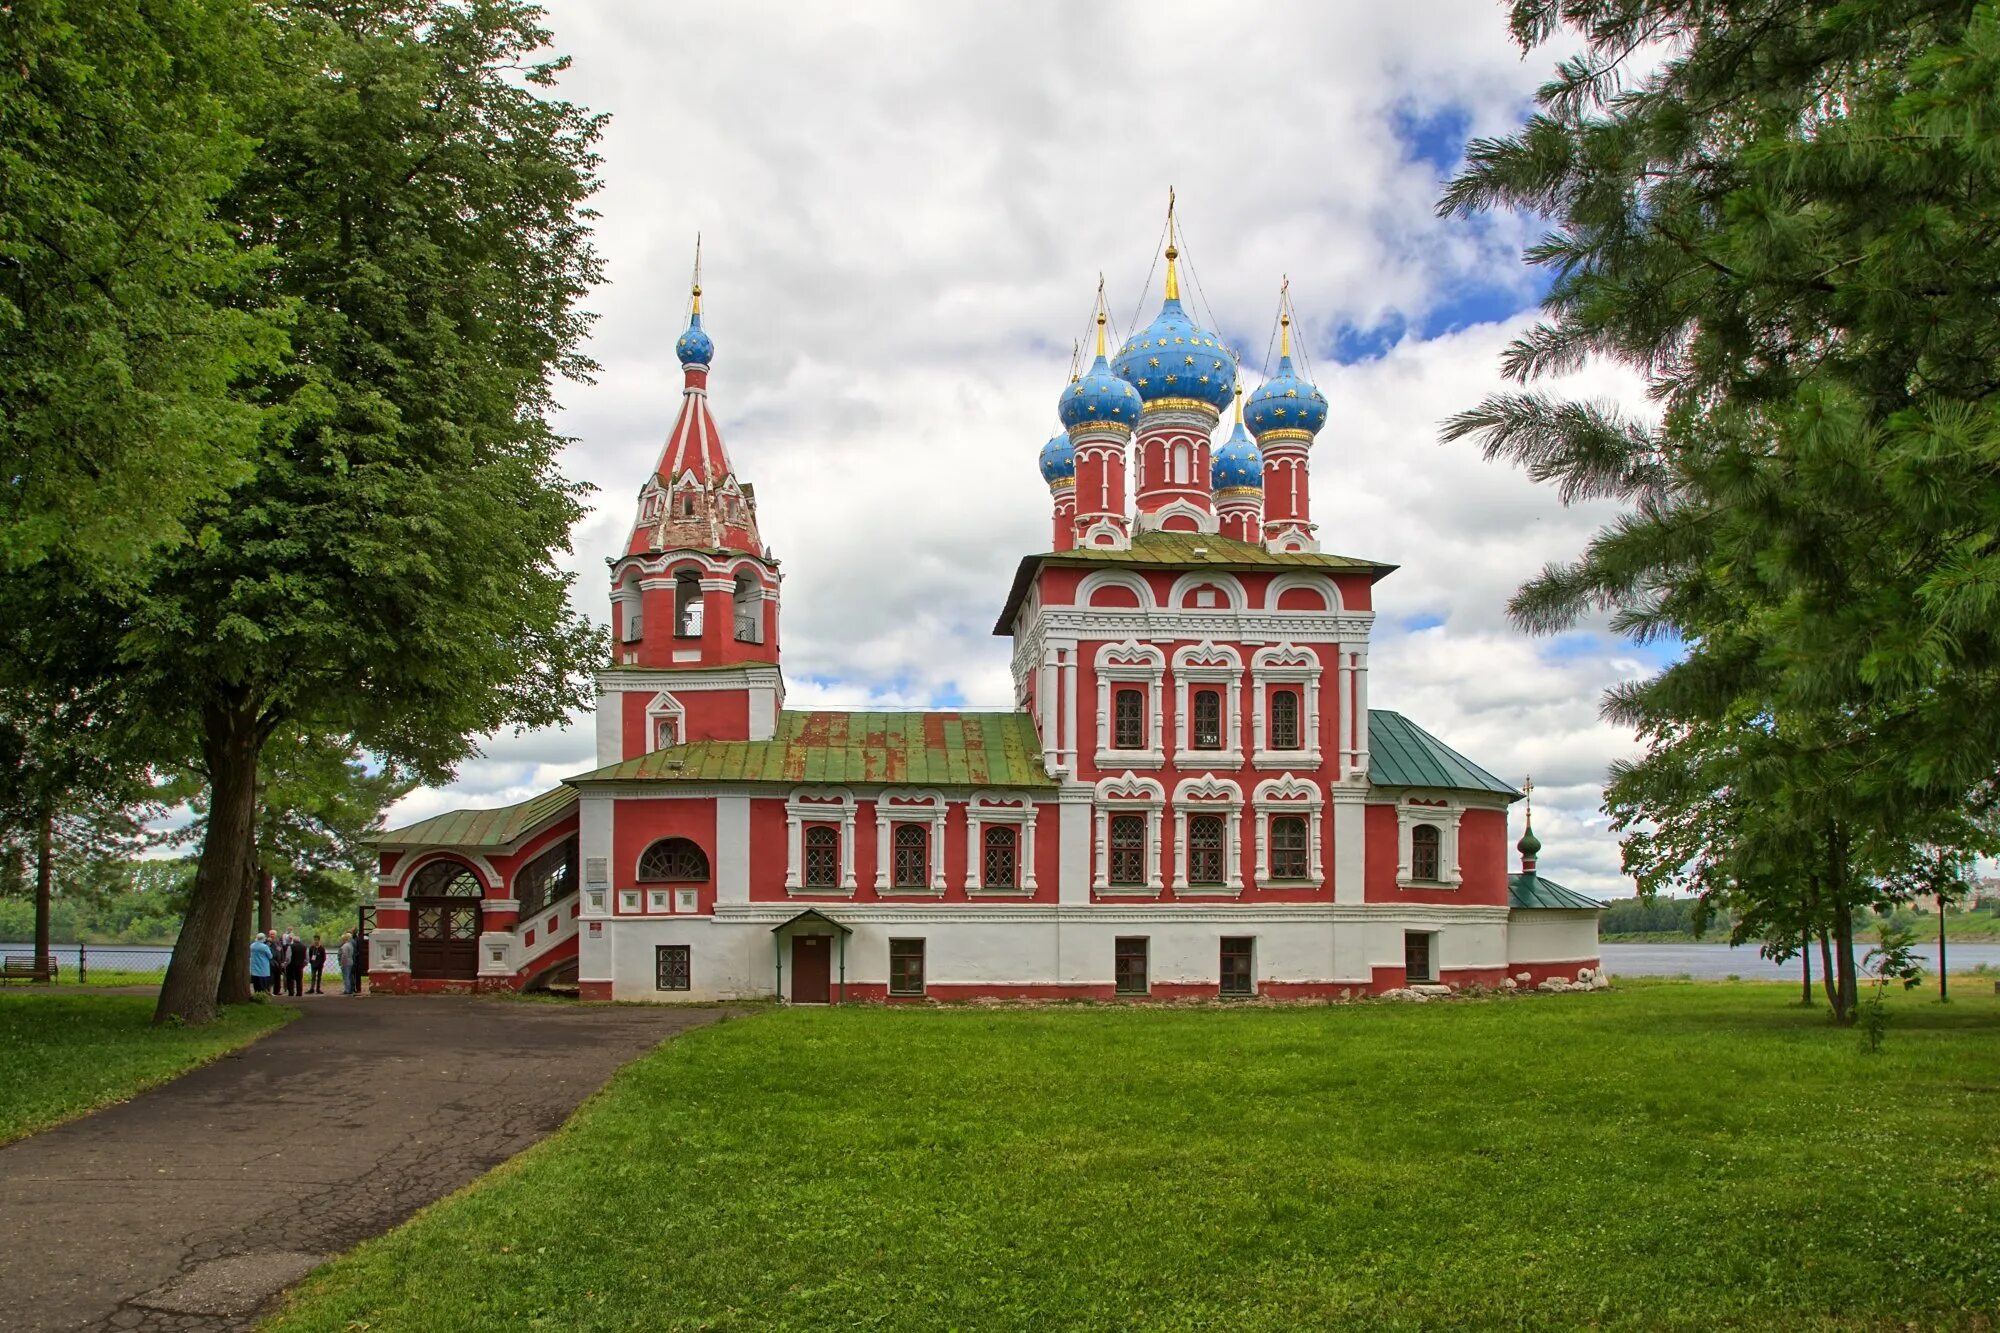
column 1529, row 889
column 481, row 828
column 1403, row 754
column 908, row 749
column 1189, row 550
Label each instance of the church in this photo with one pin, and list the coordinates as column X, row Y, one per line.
column 1191, row 796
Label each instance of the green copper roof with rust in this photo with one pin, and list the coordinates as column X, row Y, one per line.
column 1403, row 754
column 943, row 749
column 482, row 828
column 1180, row 550
column 1529, row 890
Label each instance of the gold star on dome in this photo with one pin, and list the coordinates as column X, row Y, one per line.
column 1291, row 393
column 1078, row 390
column 1142, row 381
column 1170, row 379
column 1163, row 342
column 1188, row 359
column 1179, row 339
column 1153, row 361
column 1204, row 379
column 1277, row 411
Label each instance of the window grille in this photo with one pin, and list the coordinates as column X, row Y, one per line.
column 446, row 879
column 1424, row 859
column 548, row 878
column 687, row 607
column 822, row 868
column 1417, row 957
column 1288, row 847
column 673, row 859
column 1000, row 866
column 1285, row 720
column 1205, row 849
column 1208, row 719
column 1128, row 850
column 1128, row 719
column 906, row 967
column 749, row 610
column 912, row 869
column 1129, row 966
column 671, row 967
column 1238, row 971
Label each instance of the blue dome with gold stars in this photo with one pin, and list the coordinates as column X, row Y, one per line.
column 695, row 347
column 1173, row 357
column 1099, row 398
column 1238, row 463
column 1058, row 460
column 1285, row 402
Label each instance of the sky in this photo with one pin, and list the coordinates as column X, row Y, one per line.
column 904, row 212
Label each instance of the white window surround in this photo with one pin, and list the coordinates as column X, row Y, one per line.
column 1445, row 819
column 818, row 805
column 664, row 708
column 909, row 806
column 1128, row 794
column 1284, row 664
column 1235, row 599
column 1209, row 795
column 1131, row 663
column 996, row 807
column 1209, row 663
column 483, row 870
column 1289, row 795
column 1099, row 579
column 632, row 617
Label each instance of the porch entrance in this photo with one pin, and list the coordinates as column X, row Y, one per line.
column 445, row 922
column 812, row 969
column 812, row 947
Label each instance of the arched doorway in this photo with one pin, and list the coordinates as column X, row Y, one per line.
column 444, row 922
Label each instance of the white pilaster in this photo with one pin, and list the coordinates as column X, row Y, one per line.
column 732, row 849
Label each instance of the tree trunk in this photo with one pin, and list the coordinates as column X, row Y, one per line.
column 266, row 908
column 1846, row 989
column 45, row 883
column 235, row 985
column 231, row 742
column 1805, row 968
column 1826, row 970
column 1943, row 994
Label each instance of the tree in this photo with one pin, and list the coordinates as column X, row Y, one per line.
column 1786, row 223
column 127, row 307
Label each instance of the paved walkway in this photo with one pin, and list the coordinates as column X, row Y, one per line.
column 193, row 1205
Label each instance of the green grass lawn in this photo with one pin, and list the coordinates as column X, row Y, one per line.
column 1660, row 1156
column 64, row 1054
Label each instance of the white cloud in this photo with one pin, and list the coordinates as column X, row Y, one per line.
column 905, row 209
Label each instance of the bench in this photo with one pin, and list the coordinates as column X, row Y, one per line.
column 26, row 967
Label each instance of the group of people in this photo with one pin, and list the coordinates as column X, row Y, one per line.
column 281, row 963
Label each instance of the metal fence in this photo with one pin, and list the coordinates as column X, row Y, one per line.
column 96, row 964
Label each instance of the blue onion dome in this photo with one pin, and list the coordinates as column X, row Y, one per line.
column 1058, row 460
column 1100, row 398
column 1175, row 358
column 1286, row 402
column 1239, row 463
column 695, row 347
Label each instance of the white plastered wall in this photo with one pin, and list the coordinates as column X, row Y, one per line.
column 1546, row 935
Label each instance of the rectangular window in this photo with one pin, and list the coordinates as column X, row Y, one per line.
column 1204, row 850
column 1128, row 719
column 1424, row 848
column 1128, row 851
column 912, row 869
column 1417, row 958
column 1000, row 862
column 670, row 967
column 906, row 967
column 1207, row 720
column 1238, row 973
column 1129, row 974
column 1288, row 846
column 822, row 868
column 1285, row 720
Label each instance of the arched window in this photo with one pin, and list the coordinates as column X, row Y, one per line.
column 912, row 868
column 749, row 610
column 687, row 605
column 1204, row 849
column 687, row 504
column 1128, row 719
column 1285, row 720
column 446, row 879
column 1128, row 851
column 1001, row 866
column 1288, row 847
column 633, row 621
column 1424, row 852
column 1207, row 720
column 674, row 859
column 1180, row 473
column 548, row 878
column 822, row 846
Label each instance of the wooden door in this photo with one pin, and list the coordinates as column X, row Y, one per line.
column 812, row 968
column 444, row 938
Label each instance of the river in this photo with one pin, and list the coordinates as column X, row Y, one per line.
column 1713, row 962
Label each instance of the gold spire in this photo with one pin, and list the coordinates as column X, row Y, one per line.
column 1173, row 252
column 1101, row 316
column 1075, row 360
column 697, row 273
column 1284, row 318
column 1239, row 402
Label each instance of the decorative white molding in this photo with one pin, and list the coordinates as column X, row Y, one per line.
column 1099, row 579
column 1280, row 665
column 998, row 807
column 665, row 708
column 1131, row 663
column 819, row 805
column 1155, row 520
column 1288, row 795
column 1126, row 794
column 1209, row 795
column 1214, row 664
column 910, row 805
column 1230, row 586
column 1322, row 584
column 1444, row 818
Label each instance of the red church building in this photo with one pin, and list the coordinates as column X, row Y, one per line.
column 1191, row 797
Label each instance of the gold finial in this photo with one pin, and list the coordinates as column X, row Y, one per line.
column 1239, row 402
column 1284, row 317
column 1075, row 360
column 1101, row 316
column 1173, row 251
column 697, row 273
column 1528, row 791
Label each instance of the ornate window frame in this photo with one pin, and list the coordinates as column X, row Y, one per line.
column 1209, row 795
column 665, row 708
column 1209, row 663
column 1000, row 807
column 1290, row 795
column 1285, row 664
column 818, row 805
column 908, row 805
column 1131, row 662
column 1127, row 794
column 1441, row 812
